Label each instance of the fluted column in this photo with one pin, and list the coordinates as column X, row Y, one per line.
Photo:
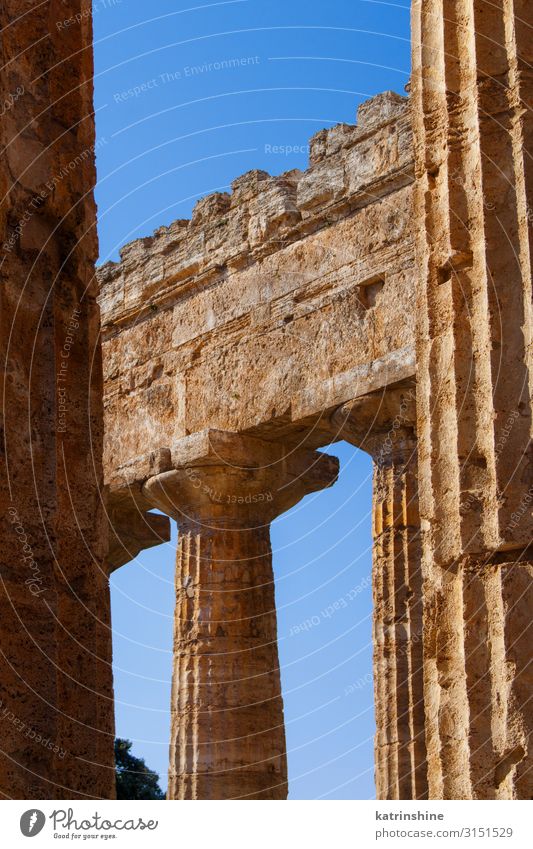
column 227, row 730
column 471, row 85
column 56, row 687
column 382, row 423
column 397, row 588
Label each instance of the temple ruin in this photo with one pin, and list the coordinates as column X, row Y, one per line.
column 382, row 296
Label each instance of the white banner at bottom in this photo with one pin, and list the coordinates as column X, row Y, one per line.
column 264, row 825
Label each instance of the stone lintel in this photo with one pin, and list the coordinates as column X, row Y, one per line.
column 393, row 367
column 130, row 477
column 210, row 447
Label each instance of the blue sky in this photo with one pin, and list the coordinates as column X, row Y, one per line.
column 188, row 97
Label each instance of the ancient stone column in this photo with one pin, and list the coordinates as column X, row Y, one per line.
column 56, row 690
column 473, row 129
column 397, row 589
column 382, row 424
column 227, row 729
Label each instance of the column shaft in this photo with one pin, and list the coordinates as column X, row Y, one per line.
column 56, row 714
column 473, row 198
column 227, row 731
column 397, row 589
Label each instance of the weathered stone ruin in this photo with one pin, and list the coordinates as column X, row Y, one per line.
column 382, row 296
column 56, row 689
column 237, row 336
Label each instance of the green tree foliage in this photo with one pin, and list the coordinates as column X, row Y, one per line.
column 134, row 779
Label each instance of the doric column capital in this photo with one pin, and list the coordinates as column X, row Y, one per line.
column 132, row 528
column 234, row 480
column 381, row 423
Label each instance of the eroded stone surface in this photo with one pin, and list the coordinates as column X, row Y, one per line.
column 57, row 723
column 286, row 314
column 384, row 424
column 226, row 321
column 227, row 736
column 473, row 201
column 263, row 313
column 293, row 295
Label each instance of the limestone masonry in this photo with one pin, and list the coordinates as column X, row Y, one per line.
column 282, row 286
column 382, row 296
column 56, row 688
